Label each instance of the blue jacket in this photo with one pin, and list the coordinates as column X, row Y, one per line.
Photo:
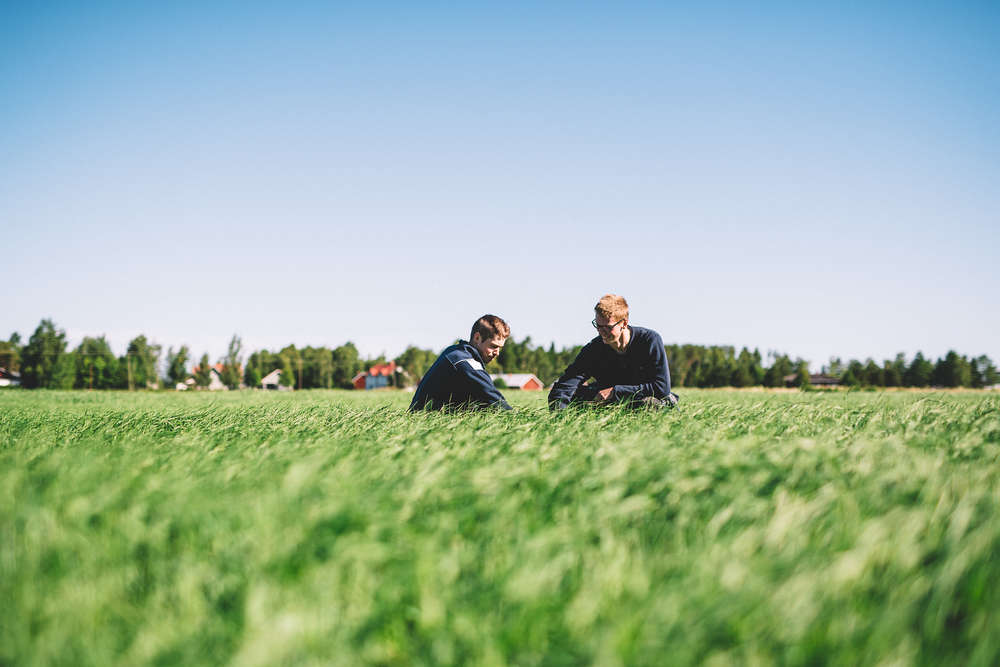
column 457, row 379
column 639, row 372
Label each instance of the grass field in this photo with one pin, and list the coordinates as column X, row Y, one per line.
column 334, row 528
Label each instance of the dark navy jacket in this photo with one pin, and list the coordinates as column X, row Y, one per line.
column 457, row 379
column 639, row 372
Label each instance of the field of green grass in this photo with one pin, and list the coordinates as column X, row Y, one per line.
column 334, row 528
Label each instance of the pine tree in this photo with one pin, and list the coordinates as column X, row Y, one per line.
column 177, row 364
column 952, row 371
column 873, row 376
column 919, row 373
column 203, row 372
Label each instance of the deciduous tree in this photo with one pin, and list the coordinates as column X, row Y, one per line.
column 138, row 368
column 177, row 364
column 10, row 353
column 780, row 368
column 44, row 361
column 416, row 361
column 232, row 371
column 346, row 364
column 96, row 364
column 802, row 375
column 986, row 372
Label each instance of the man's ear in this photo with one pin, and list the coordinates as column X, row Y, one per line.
column 476, row 339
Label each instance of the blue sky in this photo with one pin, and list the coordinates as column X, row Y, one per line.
column 820, row 181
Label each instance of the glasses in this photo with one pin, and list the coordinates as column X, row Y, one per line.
column 607, row 327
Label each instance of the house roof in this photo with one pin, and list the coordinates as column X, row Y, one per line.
column 815, row 378
column 383, row 369
column 271, row 377
column 217, row 368
column 517, row 379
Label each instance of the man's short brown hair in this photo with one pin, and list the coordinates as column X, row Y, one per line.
column 489, row 327
column 613, row 307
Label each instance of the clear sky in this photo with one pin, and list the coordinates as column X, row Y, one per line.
column 815, row 181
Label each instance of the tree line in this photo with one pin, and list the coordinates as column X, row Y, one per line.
column 721, row 366
column 45, row 361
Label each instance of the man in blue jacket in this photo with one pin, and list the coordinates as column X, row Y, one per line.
column 628, row 364
column 458, row 378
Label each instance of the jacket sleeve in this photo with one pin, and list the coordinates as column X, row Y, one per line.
column 481, row 388
column 659, row 381
column 565, row 387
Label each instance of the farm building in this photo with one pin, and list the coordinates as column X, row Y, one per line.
column 526, row 381
column 273, row 381
column 379, row 375
column 821, row 380
column 815, row 379
column 9, row 378
column 215, row 380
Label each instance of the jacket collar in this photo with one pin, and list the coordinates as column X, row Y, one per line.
column 472, row 350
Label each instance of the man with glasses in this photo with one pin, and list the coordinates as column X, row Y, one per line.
column 628, row 364
column 457, row 379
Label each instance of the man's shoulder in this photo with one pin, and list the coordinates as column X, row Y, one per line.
column 644, row 334
column 646, row 342
column 459, row 352
column 594, row 345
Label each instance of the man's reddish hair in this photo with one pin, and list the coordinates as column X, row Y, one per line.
column 489, row 327
column 613, row 307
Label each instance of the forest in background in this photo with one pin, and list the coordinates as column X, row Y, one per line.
column 46, row 361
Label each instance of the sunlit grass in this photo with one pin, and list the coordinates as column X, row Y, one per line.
column 335, row 528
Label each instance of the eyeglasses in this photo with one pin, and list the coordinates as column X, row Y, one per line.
column 607, row 327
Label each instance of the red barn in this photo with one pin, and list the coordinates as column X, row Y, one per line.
column 526, row 381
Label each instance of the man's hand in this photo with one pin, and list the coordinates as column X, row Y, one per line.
column 604, row 394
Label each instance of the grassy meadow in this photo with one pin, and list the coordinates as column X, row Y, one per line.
column 334, row 528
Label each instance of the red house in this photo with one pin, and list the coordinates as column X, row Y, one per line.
column 379, row 375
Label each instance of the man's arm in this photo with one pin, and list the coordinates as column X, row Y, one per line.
column 659, row 384
column 565, row 387
column 482, row 391
column 429, row 383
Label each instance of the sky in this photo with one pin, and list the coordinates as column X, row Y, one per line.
column 818, row 180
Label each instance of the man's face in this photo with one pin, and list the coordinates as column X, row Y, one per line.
column 489, row 349
column 612, row 332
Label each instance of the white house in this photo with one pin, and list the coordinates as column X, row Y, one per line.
column 9, row 378
column 214, row 382
column 273, row 381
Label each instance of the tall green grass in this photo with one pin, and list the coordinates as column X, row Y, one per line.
column 335, row 528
